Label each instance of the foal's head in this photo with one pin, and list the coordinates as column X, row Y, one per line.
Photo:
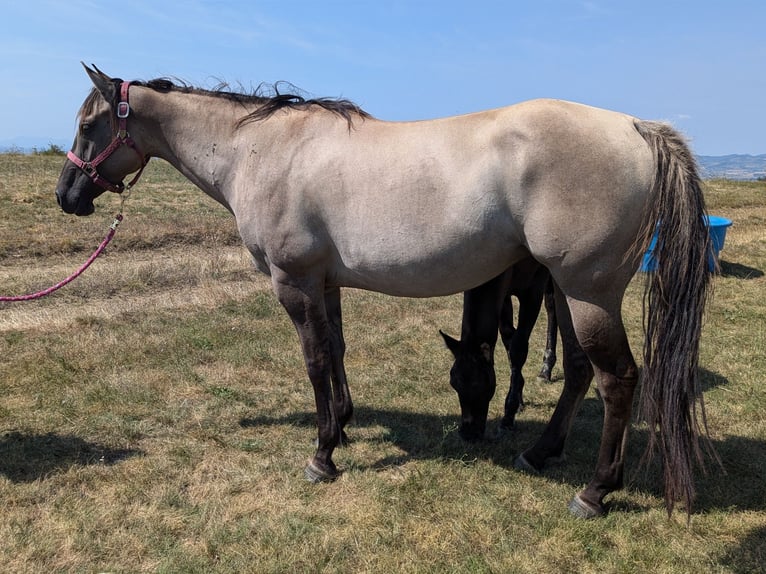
column 473, row 377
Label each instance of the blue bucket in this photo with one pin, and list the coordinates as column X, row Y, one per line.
column 716, row 225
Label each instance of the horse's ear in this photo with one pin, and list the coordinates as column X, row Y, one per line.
column 103, row 83
column 452, row 344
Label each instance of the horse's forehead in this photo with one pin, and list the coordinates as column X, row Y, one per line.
column 93, row 104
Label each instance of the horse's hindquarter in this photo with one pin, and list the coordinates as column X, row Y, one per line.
column 588, row 174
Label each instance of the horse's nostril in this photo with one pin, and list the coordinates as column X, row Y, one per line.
column 58, row 198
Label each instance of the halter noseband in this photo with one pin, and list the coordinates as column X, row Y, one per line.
column 120, row 139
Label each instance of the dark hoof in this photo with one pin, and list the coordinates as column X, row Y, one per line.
column 522, row 464
column 315, row 475
column 582, row 509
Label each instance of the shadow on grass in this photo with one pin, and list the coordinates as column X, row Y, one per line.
column 738, row 271
column 29, row 457
column 739, row 484
column 747, row 552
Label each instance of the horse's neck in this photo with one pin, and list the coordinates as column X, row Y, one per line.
column 196, row 134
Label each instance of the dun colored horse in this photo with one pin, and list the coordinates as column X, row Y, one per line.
column 326, row 196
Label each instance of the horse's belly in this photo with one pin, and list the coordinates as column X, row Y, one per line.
column 427, row 274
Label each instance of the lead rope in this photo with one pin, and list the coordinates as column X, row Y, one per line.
column 40, row 294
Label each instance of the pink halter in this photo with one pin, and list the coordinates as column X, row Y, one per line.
column 122, row 138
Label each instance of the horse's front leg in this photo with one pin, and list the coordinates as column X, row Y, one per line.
column 304, row 300
column 513, row 399
column 344, row 407
column 551, row 333
column 530, row 300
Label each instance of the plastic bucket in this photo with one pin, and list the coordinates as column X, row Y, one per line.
column 717, row 226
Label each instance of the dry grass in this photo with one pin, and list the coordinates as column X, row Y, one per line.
column 155, row 415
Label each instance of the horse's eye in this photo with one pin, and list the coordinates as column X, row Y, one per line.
column 85, row 127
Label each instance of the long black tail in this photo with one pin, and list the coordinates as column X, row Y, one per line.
column 674, row 303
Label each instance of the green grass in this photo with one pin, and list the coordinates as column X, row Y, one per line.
column 155, row 415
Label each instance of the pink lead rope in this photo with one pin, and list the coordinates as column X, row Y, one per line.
column 89, row 167
column 76, row 274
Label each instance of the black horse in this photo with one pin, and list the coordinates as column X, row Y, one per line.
column 487, row 309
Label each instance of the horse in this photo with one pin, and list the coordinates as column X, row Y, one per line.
column 473, row 374
column 326, row 196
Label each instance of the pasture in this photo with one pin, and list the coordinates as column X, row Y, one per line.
column 155, row 415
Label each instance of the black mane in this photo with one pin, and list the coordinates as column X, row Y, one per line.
column 267, row 97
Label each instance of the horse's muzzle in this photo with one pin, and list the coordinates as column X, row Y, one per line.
column 81, row 206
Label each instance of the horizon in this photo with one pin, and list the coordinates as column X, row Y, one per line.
column 694, row 65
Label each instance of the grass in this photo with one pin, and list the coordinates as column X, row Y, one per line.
column 155, row 415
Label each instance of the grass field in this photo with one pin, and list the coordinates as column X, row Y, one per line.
column 155, row 415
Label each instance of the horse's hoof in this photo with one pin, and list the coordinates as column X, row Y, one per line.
column 582, row 509
column 315, row 475
column 521, row 463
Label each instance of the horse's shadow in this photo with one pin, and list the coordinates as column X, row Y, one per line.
column 423, row 436
column 748, row 551
column 30, row 457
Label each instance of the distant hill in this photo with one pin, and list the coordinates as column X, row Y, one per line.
column 745, row 167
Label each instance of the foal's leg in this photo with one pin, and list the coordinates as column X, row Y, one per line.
column 517, row 343
column 304, row 300
column 513, row 399
column 341, row 395
column 578, row 374
column 551, row 333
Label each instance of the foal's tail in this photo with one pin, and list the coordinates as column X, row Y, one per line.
column 674, row 303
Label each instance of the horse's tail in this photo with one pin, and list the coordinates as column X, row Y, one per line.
column 674, row 303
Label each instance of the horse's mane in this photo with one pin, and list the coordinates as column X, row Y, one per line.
column 268, row 99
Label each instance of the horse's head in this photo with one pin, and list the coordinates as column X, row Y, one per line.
column 103, row 152
column 473, row 377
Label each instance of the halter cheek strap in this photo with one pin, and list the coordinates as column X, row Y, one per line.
column 122, row 138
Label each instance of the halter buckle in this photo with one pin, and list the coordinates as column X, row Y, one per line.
column 123, row 110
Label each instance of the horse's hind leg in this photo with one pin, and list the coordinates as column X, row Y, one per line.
column 341, row 395
column 602, row 335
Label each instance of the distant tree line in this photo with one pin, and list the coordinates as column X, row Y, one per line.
column 52, row 149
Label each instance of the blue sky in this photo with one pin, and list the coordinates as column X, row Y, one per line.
column 698, row 64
